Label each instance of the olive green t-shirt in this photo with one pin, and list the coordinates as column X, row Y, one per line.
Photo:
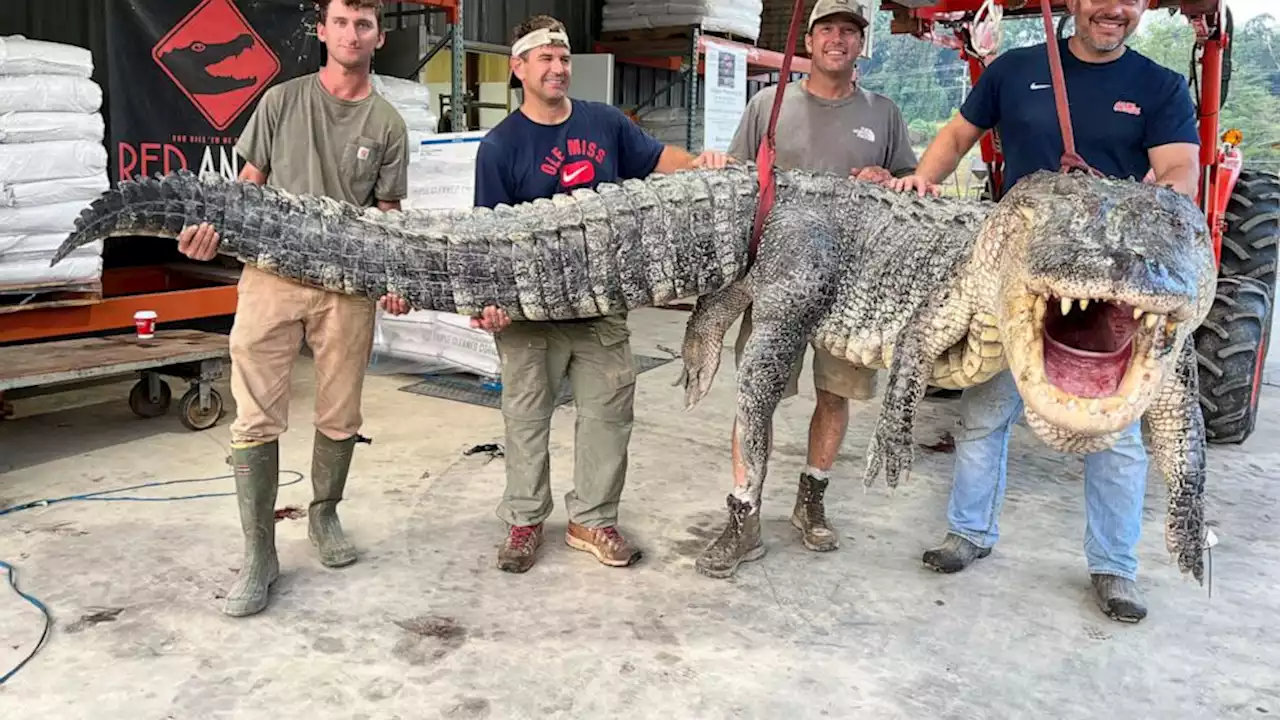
column 309, row 142
column 862, row 130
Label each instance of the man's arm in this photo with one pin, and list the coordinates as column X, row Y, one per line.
column 640, row 154
column 979, row 113
column 1177, row 165
column 393, row 177
column 1172, row 138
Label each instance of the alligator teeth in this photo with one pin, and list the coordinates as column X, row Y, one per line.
column 1137, row 313
column 1066, row 305
column 1084, row 303
column 1134, row 397
column 1095, row 406
column 1151, row 320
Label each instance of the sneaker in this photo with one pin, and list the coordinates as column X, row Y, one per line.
column 520, row 549
column 954, row 554
column 1118, row 597
column 606, row 543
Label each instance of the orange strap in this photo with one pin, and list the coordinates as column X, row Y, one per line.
column 767, row 152
column 1071, row 160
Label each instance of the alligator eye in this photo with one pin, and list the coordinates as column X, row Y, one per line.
column 198, row 46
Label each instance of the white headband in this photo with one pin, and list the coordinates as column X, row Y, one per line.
column 538, row 38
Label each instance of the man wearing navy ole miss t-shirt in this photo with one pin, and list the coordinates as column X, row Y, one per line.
column 1129, row 116
column 556, row 145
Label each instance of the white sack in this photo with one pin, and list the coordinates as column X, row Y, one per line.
column 438, row 340
column 22, row 56
column 25, row 127
column 29, row 162
column 442, row 172
column 27, row 246
column 71, row 271
column 48, row 192
column 419, row 120
column 49, row 93
column 58, row 217
column 399, row 91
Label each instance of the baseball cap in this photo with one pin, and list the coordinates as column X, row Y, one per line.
column 827, row 8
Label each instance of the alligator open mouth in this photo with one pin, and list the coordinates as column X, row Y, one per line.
column 1085, row 357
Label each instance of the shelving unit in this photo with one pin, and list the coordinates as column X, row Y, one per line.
column 682, row 50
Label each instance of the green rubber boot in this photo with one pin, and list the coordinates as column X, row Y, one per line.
column 257, row 479
column 330, row 461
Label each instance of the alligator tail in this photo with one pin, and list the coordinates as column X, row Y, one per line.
column 590, row 253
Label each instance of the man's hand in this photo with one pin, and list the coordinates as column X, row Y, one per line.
column 393, row 304
column 713, row 159
column 492, row 319
column 198, row 242
column 915, row 182
column 873, row 174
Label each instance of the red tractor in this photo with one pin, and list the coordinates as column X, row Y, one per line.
column 1242, row 206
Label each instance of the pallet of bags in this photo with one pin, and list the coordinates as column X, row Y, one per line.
column 441, row 180
column 413, row 101
column 53, row 164
column 737, row 17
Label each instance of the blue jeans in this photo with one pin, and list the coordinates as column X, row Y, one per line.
column 1114, row 481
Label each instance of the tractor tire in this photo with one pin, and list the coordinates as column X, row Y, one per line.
column 1251, row 239
column 1231, row 346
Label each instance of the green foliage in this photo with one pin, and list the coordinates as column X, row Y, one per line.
column 929, row 82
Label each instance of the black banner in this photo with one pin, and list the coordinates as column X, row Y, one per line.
column 185, row 75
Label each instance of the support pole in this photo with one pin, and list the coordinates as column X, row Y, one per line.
column 458, row 52
column 692, row 100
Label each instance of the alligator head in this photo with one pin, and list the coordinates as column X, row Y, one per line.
column 1097, row 293
column 190, row 65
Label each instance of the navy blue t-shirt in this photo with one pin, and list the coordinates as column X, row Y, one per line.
column 521, row 160
column 1119, row 109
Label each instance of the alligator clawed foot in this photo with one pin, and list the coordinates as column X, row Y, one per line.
column 892, row 453
column 699, row 372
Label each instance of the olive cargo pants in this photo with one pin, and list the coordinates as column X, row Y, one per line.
column 273, row 317
column 596, row 357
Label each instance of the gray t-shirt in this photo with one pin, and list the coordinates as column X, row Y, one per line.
column 863, row 130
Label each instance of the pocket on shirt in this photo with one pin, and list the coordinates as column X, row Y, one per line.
column 361, row 159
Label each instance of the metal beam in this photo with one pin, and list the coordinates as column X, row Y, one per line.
column 458, row 50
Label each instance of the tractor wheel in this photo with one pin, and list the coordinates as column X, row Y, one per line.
column 1252, row 237
column 1231, row 345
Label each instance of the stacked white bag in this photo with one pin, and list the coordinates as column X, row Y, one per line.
column 739, row 17
column 52, row 161
column 413, row 101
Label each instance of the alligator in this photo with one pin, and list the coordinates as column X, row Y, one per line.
column 190, row 65
column 1087, row 289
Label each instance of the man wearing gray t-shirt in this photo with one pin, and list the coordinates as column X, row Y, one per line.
column 826, row 124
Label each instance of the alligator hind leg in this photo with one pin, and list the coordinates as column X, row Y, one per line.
column 704, row 338
column 792, row 290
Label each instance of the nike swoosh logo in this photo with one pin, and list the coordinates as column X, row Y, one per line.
column 570, row 177
column 1039, row 86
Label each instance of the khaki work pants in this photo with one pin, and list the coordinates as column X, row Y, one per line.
column 830, row 373
column 274, row 316
column 596, row 358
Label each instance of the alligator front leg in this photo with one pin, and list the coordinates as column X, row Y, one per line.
column 938, row 326
column 793, row 284
column 1178, row 444
column 704, row 338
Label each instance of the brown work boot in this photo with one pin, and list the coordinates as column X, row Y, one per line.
column 810, row 517
column 954, row 554
column 520, row 549
column 739, row 543
column 1119, row 598
column 606, row 543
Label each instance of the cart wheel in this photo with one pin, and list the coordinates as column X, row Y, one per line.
column 195, row 418
column 140, row 400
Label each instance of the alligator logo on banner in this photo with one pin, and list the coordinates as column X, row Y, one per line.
column 184, row 76
column 217, row 60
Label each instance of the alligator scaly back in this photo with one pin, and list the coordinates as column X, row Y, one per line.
column 590, row 253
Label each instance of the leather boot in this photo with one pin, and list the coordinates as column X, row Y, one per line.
column 739, row 543
column 257, row 479
column 330, row 461
column 954, row 554
column 810, row 517
column 1118, row 597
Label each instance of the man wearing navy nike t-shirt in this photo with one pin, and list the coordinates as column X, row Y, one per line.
column 1129, row 116
column 556, row 145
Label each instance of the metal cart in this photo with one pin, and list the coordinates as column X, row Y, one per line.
column 198, row 357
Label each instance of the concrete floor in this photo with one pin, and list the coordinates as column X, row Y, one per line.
column 424, row 627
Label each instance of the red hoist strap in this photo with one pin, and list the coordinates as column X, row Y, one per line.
column 1071, row 160
column 768, row 149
